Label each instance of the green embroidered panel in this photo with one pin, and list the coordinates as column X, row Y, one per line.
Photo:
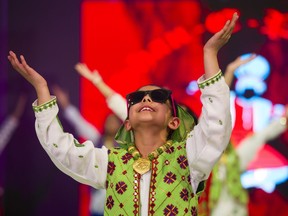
column 170, row 188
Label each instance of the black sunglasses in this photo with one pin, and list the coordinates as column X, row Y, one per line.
column 157, row 95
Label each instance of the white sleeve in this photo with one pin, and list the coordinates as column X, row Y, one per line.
column 83, row 162
column 118, row 106
column 207, row 141
column 249, row 146
column 7, row 129
column 82, row 127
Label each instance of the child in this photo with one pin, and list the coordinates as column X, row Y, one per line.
column 162, row 163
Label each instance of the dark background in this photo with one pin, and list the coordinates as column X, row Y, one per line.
column 47, row 33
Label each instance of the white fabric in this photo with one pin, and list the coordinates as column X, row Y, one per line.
column 7, row 129
column 88, row 164
column 118, row 105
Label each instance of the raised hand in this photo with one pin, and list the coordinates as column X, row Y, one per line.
column 240, row 61
column 219, row 39
column 62, row 96
column 84, row 71
column 214, row 44
column 232, row 66
column 95, row 78
column 32, row 76
column 26, row 71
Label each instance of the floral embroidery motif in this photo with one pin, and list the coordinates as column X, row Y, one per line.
column 110, row 202
column 170, row 150
column 170, row 178
column 111, row 168
column 125, row 158
column 194, row 211
column 121, row 187
column 174, row 198
column 170, row 210
column 182, row 161
column 184, row 194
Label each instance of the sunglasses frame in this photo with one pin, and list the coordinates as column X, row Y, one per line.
column 150, row 93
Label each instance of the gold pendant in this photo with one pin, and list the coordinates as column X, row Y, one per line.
column 142, row 165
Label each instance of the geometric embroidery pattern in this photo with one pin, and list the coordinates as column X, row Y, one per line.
column 170, row 190
column 45, row 106
column 211, row 81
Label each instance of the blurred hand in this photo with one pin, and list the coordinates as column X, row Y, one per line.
column 62, row 96
column 84, row 71
column 239, row 61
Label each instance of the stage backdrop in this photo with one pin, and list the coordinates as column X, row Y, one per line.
column 132, row 43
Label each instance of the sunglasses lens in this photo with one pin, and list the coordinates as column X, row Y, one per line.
column 135, row 97
column 159, row 95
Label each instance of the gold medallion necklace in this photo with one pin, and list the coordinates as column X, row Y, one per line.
column 143, row 165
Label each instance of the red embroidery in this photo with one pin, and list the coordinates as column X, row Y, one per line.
column 121, row 187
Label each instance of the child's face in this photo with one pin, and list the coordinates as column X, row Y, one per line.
column 150, row 112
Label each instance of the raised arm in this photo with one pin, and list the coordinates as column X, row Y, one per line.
column 206, row 143
column 95, row 78
column 32, row 76
column 75, row 159
column 232, row 66
column 114, row 100
column 214, row 44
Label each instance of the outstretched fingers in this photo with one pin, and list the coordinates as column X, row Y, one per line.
column 83, row 70
column 229, row 26
column 24, row 63
column 16, row 64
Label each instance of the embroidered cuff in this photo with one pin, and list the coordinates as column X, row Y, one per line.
column 44, row 106
column 211, row 80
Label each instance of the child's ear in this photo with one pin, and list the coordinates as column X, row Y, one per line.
column 127, row 125
column 174, row 123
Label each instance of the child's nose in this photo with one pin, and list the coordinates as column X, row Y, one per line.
column 146, row 98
